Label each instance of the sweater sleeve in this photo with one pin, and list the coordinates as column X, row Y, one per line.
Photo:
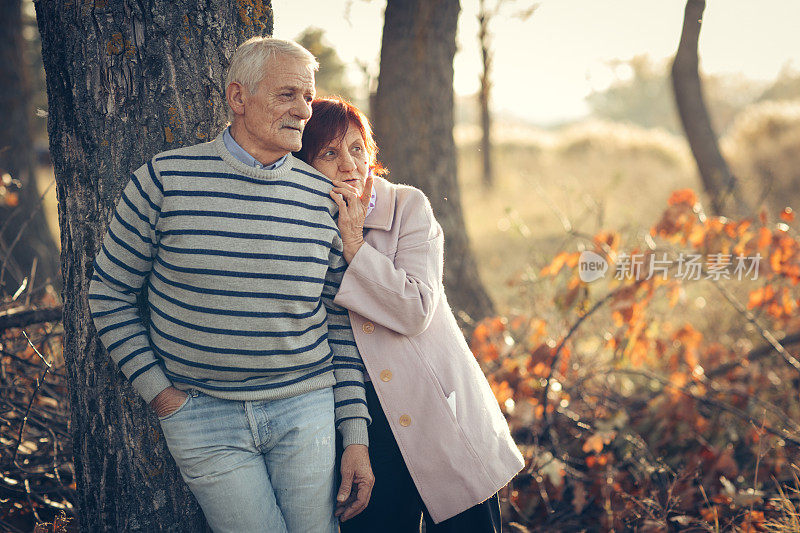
column 121, row 269
column 400, row 294
column 349, row 394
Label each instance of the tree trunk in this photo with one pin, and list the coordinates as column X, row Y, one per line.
column 414, row 129
column 125, row 80
column 20, row 210
column 485, row 94
column 718, row 181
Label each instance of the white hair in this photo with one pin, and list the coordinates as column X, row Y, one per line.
column 251, row 57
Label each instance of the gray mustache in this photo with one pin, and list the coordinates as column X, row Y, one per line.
column 298, row 125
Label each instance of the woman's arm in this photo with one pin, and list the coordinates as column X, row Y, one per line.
column 400, row 294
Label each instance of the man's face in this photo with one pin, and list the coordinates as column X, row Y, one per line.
column 275, row 115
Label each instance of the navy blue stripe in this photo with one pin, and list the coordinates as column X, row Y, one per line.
column 154, row 177
column 337, row 326
column 237, row 351
column 110, row 278
column 336, row 311
column 106, row 298
column 133, row 354
column 220, row 368
column 141, row 370
column 121, row 264
column 315, row 176
column 236, row 294
column 111, row 311
column 117, row 325
column 243, row 216
column 342, row 403
column 338, row 358
column 251, row 255
column 147, row 199
column 342, row 366
column 348, row 384
column 189, row 157
column 343, row 343
column 112, row 347
column 132, row 229
column 339, row 269
column 235, row 332
column 247, row 179
column 127, row 246
column 350, row 418
column 136, row 211
column 246, row 197
column 337, row 253
column 244, row 255
column 254, row 236
column 265, row 386
column 233, row 312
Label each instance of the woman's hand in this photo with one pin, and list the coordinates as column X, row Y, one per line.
column 352, row 212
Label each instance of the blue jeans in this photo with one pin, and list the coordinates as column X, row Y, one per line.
column 258, row 465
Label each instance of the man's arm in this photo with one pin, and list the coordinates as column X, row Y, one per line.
column 120, row 270
column 351, row 412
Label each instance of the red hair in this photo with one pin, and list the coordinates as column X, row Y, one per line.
column 329, row 121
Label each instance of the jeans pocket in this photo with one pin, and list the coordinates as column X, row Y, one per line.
column 180, row 408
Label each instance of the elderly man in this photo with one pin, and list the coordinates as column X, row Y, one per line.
column 245, row 358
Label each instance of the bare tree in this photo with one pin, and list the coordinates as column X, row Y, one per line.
column 487, row 12
column 718, row 181
column 125, row 80
column 24, row 235
column 414, row 126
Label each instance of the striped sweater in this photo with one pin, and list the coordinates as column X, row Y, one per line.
column 240, row 267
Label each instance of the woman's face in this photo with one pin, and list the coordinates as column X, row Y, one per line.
column 345, row 159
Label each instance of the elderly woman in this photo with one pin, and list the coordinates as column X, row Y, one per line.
column 439, row 445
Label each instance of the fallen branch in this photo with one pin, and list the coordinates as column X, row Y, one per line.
column 33, row 316
column 754, row 355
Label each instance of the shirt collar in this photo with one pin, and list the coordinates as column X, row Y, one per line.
column 241, row 154
column 382, row 214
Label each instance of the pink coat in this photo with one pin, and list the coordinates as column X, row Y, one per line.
column 447, row 423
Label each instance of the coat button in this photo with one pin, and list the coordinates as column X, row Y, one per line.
column 368, row 327
column 405, row 420
column 386, row 375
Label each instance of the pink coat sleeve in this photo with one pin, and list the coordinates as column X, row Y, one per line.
column 399, row 293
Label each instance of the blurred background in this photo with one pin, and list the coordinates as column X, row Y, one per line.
column 646, row 405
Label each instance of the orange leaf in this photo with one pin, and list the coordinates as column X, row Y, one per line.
column 764, row 238
column 683, row 196
column 593, row 444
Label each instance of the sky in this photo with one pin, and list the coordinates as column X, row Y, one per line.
column 544, row 67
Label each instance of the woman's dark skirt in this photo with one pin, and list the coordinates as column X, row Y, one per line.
column 395, row 504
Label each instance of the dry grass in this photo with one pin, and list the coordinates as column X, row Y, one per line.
column 582, row 179
column 763, row 149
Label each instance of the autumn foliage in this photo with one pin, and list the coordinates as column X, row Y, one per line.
column 659, row 402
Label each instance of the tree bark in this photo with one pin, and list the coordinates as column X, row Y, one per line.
column 718, row 181
column 484, row 95
column 17, row 158
column 125, row 80
column 414, row 129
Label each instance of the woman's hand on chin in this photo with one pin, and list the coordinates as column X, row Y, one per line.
column 352, row 212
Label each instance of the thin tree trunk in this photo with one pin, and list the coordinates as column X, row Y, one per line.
column 414, row 127
column 125, row 80
column 485, row 94
column 17, row 158
column 718, row 181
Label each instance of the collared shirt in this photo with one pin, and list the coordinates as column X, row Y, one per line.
column 373, row 197
column 241, row 154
